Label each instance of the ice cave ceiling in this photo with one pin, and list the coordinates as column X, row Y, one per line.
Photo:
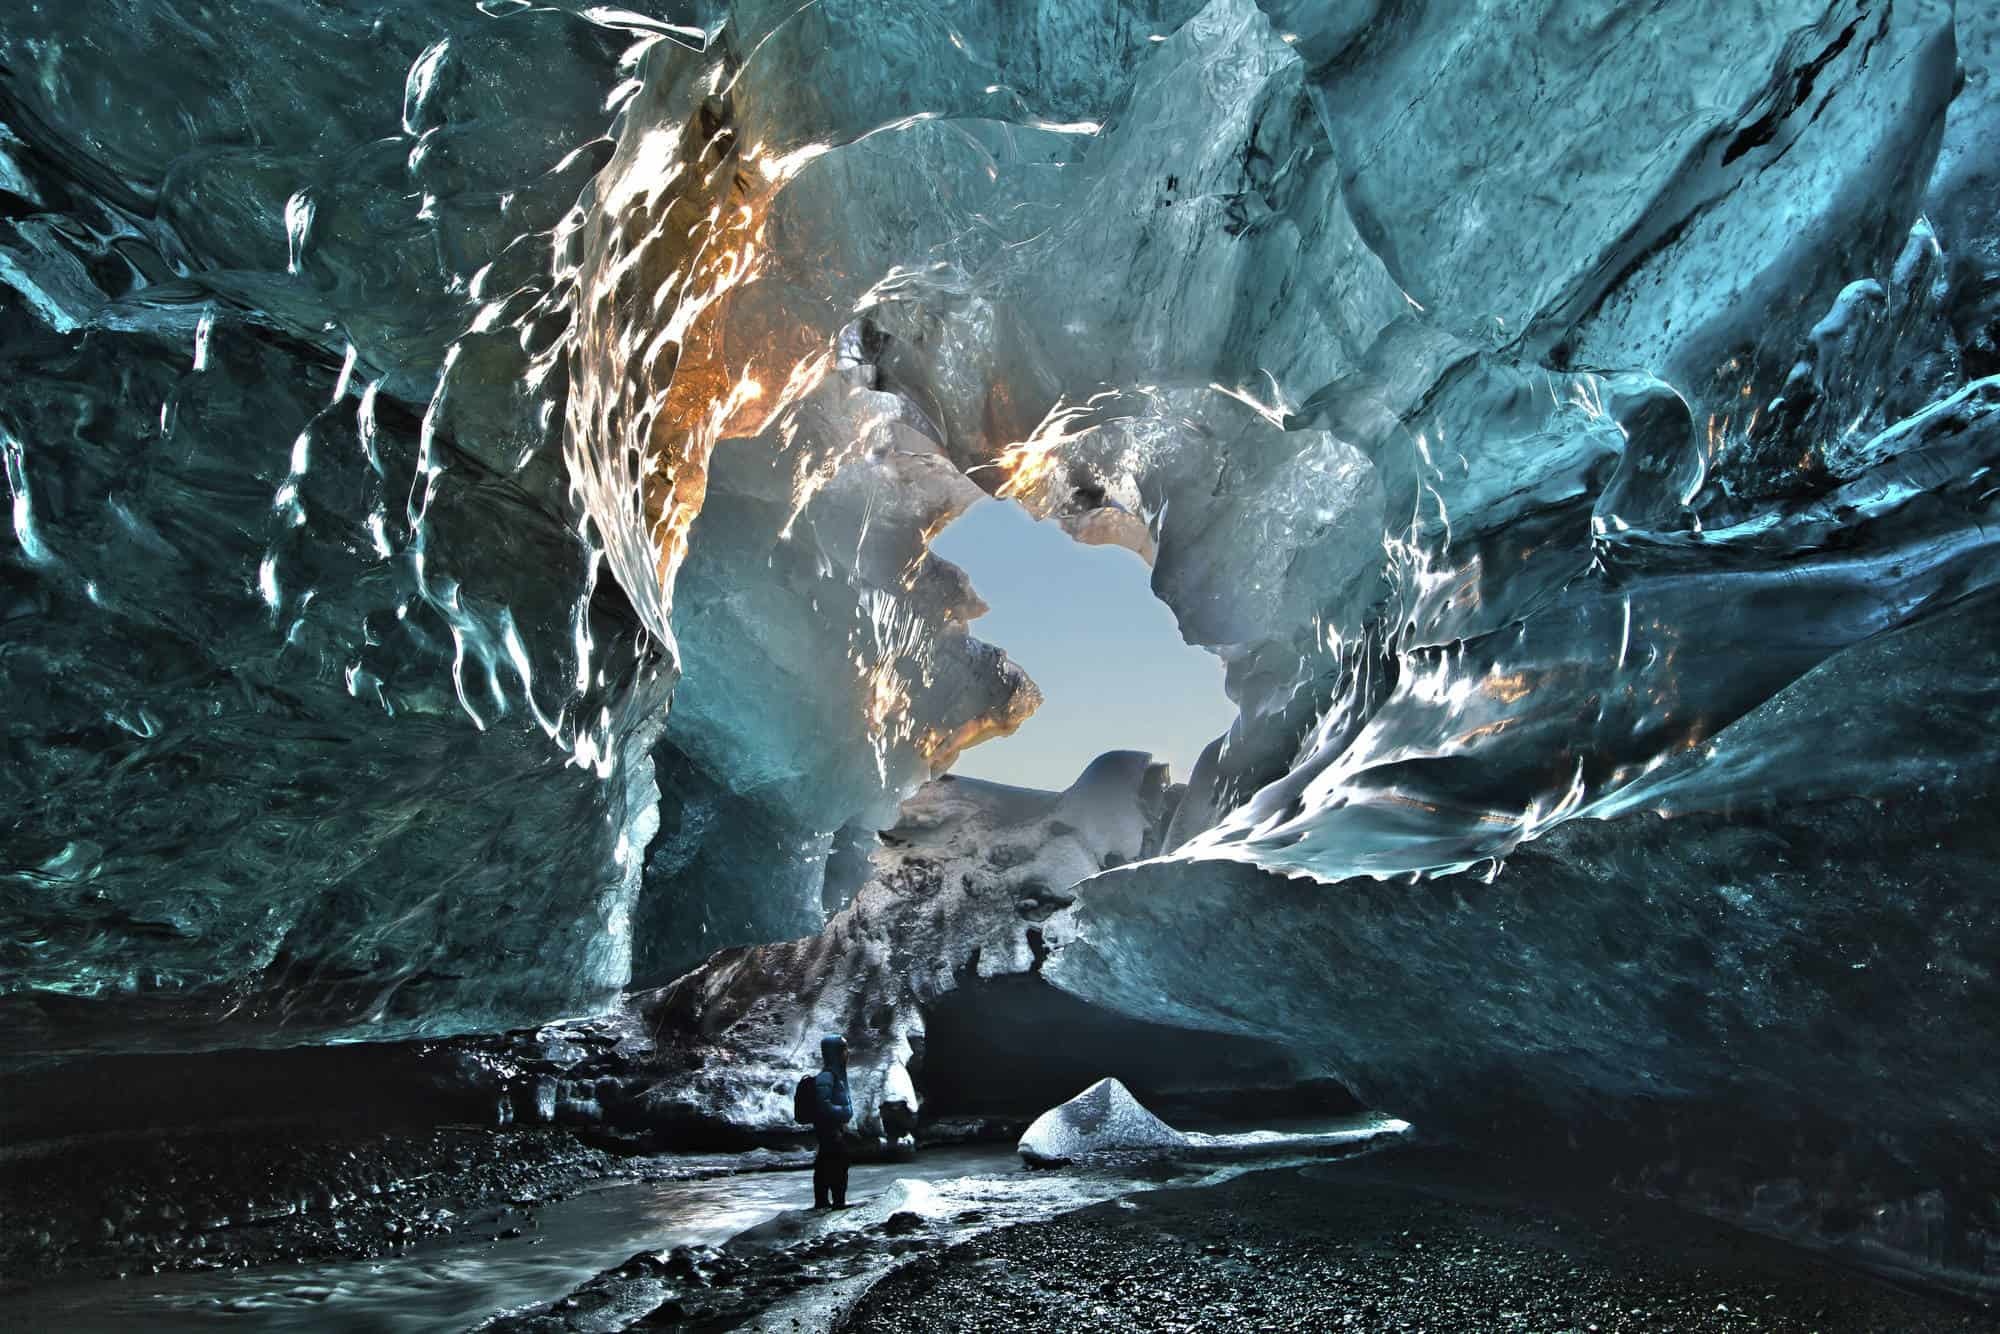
column 1572, row 425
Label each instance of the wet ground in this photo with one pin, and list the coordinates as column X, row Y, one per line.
column 518, row 1261
column 685, row 1242
column 1392, row 1242
column 801, row 1270
column 966, row 1239
column 130, row 1205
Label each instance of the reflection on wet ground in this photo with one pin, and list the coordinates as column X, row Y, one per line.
column 463, row 1283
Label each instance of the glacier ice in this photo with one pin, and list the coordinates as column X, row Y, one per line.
column 1106, row 1122
column 469, row 550
column 1104, row 1118
column 949, row 918
column 284, row 419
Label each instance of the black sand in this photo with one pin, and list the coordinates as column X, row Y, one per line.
column 1394, row 1242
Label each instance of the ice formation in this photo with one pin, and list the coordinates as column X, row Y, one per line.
column 472, row 467
column 1106, row 1121
column 951, row 916
column 1104, row 1118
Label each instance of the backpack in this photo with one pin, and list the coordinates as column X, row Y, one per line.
column 805, row 1100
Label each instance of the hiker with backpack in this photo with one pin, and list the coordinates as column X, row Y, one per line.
column 823, row 1102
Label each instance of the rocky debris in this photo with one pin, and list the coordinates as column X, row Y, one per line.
column 797, row 1251
column 354, row 1150
column 1103, row 1119
column 245, row 1196
column 247, row 1156
column 1372, row 1245
column 670, row 1286
column 802, row 1267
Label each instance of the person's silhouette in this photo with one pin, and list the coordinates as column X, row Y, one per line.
column 833, row 1108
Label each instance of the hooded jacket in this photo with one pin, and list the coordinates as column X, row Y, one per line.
column 834, row 1108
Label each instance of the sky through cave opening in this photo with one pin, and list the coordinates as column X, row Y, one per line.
column 1083, row 622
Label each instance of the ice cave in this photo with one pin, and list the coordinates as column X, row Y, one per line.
column 574, row 760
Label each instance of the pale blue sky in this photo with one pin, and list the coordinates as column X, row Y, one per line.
column 1083, row 622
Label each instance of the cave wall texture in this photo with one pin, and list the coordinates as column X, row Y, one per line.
column 472, row 468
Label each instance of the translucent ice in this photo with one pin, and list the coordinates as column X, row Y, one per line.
column 1554, row 419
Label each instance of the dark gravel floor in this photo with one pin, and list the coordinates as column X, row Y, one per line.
column 259, row 1195
column 1385, row 1245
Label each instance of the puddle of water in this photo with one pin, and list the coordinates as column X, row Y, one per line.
column 458, row 1285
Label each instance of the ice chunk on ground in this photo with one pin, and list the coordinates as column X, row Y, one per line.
column 1103, row 1119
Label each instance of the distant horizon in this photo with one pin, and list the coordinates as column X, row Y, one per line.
column 1082, row 621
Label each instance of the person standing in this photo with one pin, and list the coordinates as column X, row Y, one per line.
column 833, row 1108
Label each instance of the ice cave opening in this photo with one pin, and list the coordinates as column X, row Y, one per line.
column 506, row 616
column 1084, row 624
